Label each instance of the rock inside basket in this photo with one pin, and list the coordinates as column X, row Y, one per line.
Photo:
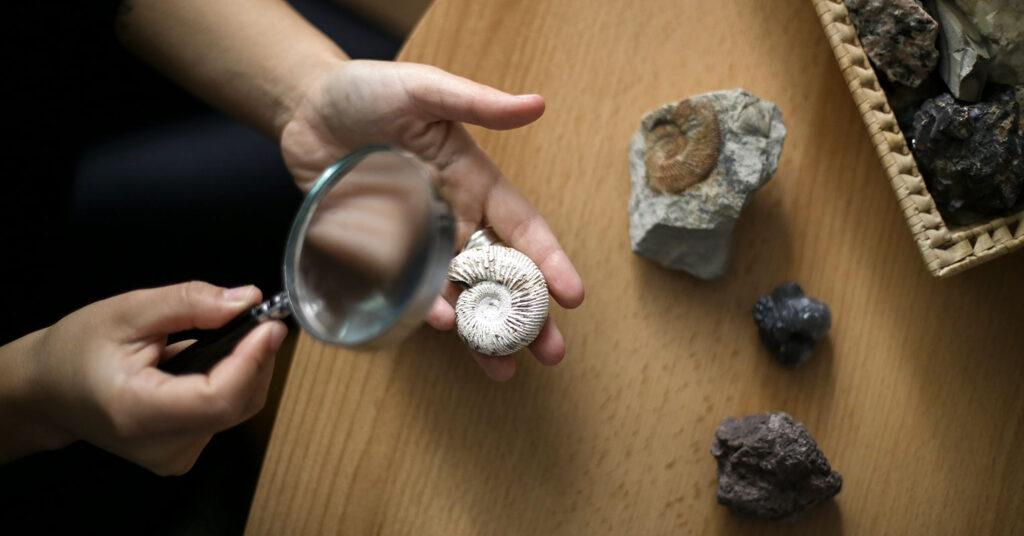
column 947, row 247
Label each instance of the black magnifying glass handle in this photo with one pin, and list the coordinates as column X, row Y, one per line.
column 217, row 344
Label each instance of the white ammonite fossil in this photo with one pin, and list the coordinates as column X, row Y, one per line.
column 505, row 301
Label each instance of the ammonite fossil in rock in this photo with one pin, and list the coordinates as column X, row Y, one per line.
column 682, row 147
column 693, row 165
column 504, row 303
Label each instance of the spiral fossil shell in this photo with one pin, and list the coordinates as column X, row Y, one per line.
column 683, row 147
column 505, row 302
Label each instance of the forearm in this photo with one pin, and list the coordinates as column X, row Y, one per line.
column 250, row 58
column 23, row 429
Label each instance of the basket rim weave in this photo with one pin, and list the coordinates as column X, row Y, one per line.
column 946, row 251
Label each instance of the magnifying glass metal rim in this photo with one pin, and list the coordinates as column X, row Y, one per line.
column 439, row 254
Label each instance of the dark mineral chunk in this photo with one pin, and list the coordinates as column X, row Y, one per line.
column 790, row 323
column 899, row 37
column 972, row 155
column 770, row 467
column 906, row 101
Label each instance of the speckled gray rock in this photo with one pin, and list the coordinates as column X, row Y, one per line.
column 972, row 155
column 899, row 37
column 693, row 166
column 770, row 467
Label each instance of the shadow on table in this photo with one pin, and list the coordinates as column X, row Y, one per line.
column 478, row 432
column 825, row 520
column 971, row 395
column 750, row 273
column 735, row 345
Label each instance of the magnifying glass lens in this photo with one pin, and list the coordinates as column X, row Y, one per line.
column 366, row 251
column 366, row 258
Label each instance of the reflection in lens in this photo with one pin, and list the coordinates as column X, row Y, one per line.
column 365, row 249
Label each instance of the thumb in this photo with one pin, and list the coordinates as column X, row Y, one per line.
column 165, row 310
column 447, row 97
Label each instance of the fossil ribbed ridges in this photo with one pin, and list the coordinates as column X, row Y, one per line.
column 682, row 148
column 512, row 286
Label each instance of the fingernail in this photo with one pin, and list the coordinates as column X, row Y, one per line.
column 277, row 334
column 238, row 294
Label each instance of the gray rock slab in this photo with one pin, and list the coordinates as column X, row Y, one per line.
column 1001, row 22
column 691, row 230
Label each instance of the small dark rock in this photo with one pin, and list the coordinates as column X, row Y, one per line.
column 770, row 467
column 899, row 37
column 790, row 323
column 972, row 155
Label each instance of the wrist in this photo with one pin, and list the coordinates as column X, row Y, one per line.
column 23, row 401
column 306, row 84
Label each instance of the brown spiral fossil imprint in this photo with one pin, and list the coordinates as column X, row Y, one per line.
column 683, row 147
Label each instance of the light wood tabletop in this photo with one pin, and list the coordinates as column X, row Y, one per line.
column 917, row 398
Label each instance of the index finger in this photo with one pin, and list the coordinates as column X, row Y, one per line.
column 477, row 192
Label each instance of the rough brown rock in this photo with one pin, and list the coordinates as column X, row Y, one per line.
column 770, row 467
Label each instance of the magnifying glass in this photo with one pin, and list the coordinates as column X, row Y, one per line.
column 367, row 255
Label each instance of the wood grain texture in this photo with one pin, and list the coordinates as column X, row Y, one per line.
column 916, row 399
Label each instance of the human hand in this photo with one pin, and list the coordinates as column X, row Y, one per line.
column 93, row 374
column 420, row 109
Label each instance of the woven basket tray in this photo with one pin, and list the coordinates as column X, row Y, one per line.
column 946, row 250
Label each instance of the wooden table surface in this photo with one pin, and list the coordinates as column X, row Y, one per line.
column 917, row 399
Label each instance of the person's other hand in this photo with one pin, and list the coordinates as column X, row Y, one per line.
column 95, row 378
column 420, row 109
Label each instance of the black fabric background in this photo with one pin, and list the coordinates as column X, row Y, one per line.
column 115, row 179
